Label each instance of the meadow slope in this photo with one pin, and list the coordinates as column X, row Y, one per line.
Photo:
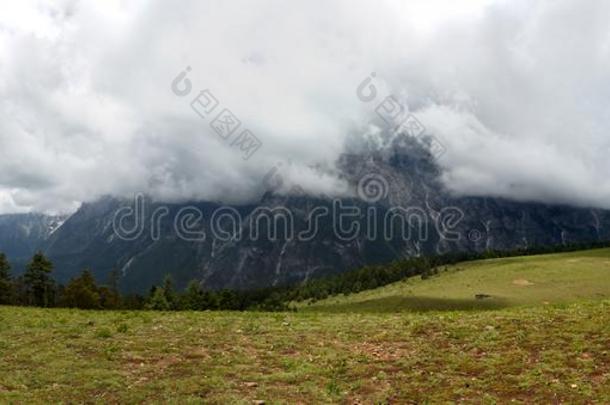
column 508, row 282
column 539, row 346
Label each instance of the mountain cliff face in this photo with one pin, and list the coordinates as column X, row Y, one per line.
column 22, row 234
column 398, row 208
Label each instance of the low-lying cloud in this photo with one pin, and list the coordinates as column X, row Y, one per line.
column 517, row 91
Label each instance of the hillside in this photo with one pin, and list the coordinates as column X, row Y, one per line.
column 23, row 234
column 542, row 354
column 381, row 346
column 527, row 280
column 409, row 178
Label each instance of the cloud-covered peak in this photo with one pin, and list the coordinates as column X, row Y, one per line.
column 516, row 91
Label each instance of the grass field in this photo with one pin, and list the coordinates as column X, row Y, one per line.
column 527, row 280
column 392, row 345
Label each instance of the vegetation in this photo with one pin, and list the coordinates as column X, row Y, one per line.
column 83, row 292
column 543, row 354
column 488, row 284
column 371, row 277
column 519, row 329
column 37, row 287
column 6, row 290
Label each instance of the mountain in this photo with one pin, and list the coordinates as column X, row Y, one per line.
column 397, row 207
column 22, row 234
column 182, row 239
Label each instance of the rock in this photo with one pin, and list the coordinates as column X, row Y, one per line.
column 521, row 282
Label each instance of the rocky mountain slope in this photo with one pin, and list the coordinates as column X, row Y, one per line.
column 397, row 208
column 23, row 234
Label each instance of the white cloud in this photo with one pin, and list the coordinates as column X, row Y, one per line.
column 518, row 92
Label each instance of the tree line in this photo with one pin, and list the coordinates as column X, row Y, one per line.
column 36, row 287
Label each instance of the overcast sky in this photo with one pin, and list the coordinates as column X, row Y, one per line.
column 518, row 91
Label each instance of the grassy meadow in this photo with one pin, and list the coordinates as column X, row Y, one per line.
column 508, row 282
column 542, row 336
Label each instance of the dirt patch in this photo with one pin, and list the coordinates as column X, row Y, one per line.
column 199, row 353
column 381, row 352
column 521, row 282
column 166, row 362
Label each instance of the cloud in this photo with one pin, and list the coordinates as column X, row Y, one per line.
column 517, row 91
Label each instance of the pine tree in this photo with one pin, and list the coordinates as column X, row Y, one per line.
column 38, row 282
column 82, row 292
column 169, row 292
column 113, row 280
column 227, row 300
column 157, row 301
column 6, row 285
column 110, row 297
column 193, row 297
column 209, row 300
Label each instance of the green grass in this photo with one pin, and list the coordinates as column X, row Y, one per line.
column 528, row 280
column 527, row 351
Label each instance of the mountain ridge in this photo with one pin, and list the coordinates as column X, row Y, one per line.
column 404, row 179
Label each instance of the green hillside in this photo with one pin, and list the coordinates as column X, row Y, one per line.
column 527, row 280
column 381, row 346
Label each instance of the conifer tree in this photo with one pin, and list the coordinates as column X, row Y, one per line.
column 157, row 301
column 6, row 284
column 169, row 292
column 38, row 282
column 82, row 292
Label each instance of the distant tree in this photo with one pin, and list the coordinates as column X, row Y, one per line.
column 228, row 300
column 193, row 297
column 82, row 292
column 209, row 300
column 133, row 301
column 110, row 297
column 274, row 302
column 21, row 291
column 113, row 280
column 38, row 282
column 7, row 290
column 169, row 292
column 157, row 301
